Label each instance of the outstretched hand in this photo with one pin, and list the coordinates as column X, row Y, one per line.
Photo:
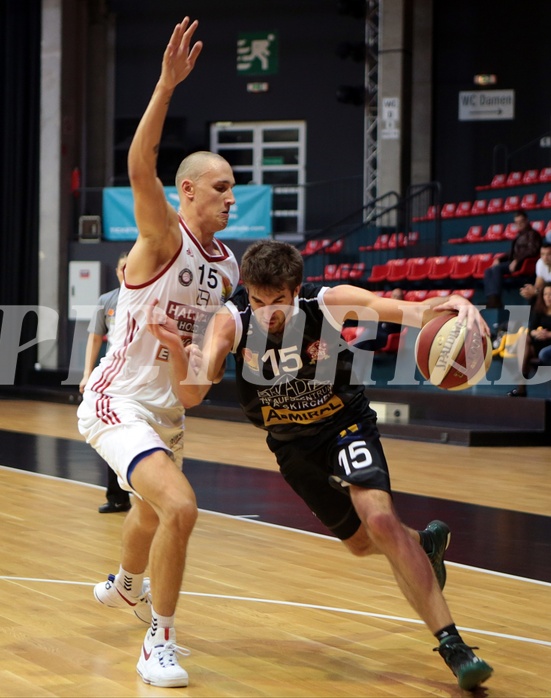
column 179, row 59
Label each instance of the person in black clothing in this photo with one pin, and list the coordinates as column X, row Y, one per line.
column 526, row 244
column 100, row 328
column 537, row 351
column 296, row 379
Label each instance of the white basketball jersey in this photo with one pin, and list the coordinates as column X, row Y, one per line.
column 192, row 286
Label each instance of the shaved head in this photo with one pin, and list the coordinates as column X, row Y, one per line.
column 196, row 164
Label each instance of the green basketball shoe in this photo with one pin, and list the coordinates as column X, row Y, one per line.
column 469, row 669
column 440, row 535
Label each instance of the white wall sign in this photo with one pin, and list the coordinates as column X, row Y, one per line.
column 486, row 105
column 390, row 118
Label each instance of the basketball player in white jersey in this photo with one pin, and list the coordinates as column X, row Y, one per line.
column 129, row 412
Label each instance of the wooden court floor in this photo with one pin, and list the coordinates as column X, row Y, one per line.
column 266, row 610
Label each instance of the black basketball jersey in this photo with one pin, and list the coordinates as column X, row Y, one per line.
column 296, row 383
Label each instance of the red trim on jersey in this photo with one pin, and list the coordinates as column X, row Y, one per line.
column 161, row 273
column 119, row 357
column 209, row 258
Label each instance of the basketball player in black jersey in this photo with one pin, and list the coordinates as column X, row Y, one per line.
column 296, row 379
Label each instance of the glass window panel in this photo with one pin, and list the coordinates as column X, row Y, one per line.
column 285, row 201
column 280, row 156
column 285, row 224
column 280, row 135
column 237, row 156
column 245, row 136
column 245, row 177
column 280, row 177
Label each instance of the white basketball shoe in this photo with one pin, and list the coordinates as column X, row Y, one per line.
column 158, row 664
column 114, row 595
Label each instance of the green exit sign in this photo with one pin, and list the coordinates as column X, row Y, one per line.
column 258, row 53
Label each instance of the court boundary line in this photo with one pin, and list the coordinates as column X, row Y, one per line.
column 234, row 517
column 297, row 604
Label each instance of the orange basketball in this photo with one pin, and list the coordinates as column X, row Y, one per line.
column 451, row 357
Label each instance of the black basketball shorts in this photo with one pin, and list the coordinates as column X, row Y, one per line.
column 320, row 468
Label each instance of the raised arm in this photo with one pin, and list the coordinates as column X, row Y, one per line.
column 157, row 221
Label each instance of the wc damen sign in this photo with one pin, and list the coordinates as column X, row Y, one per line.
column 487, row 105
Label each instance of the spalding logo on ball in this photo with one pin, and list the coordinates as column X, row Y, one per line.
column 450, row 356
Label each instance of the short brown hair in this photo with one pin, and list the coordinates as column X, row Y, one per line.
column 272, row 264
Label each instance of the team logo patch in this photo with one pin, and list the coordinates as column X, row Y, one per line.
column 251, row 359
column 317, row 351
column 185, row 277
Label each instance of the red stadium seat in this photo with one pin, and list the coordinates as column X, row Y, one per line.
column 439, row 268
column 531, row 177
column 498, row 180
column 546, row 201
column 495, row 205
column 462, row 266
column 343, row 272
column 351, row 334
column 481, row 262
column 431, row 213
column 463, row 208
column 393, row 342
column 545, row 174
column 330, row 272
column 381, row 243
column 514, row 178
column 439, row 293
column 494, row 233
column 412, row 237
column 539, row 226
column 529, row 201
column 416, row 295
column 448, row 210
column 474, row 234
column 510, row 232
column 335, row 247
column 357, row 271
column 527, row 268
column 397, row 269
column 311, row 247
column 479, row 207
column 512, row 203
column 465, row 292
column 378, row 273
column 418, row 268
column 396, row 240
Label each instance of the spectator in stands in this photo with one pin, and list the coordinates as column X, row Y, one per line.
column 543, row 273
column 538, row 340
column 526, row 244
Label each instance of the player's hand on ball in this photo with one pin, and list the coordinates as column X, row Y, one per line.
column 466, row 313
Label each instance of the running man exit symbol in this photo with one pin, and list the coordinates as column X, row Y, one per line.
column 257, row 53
